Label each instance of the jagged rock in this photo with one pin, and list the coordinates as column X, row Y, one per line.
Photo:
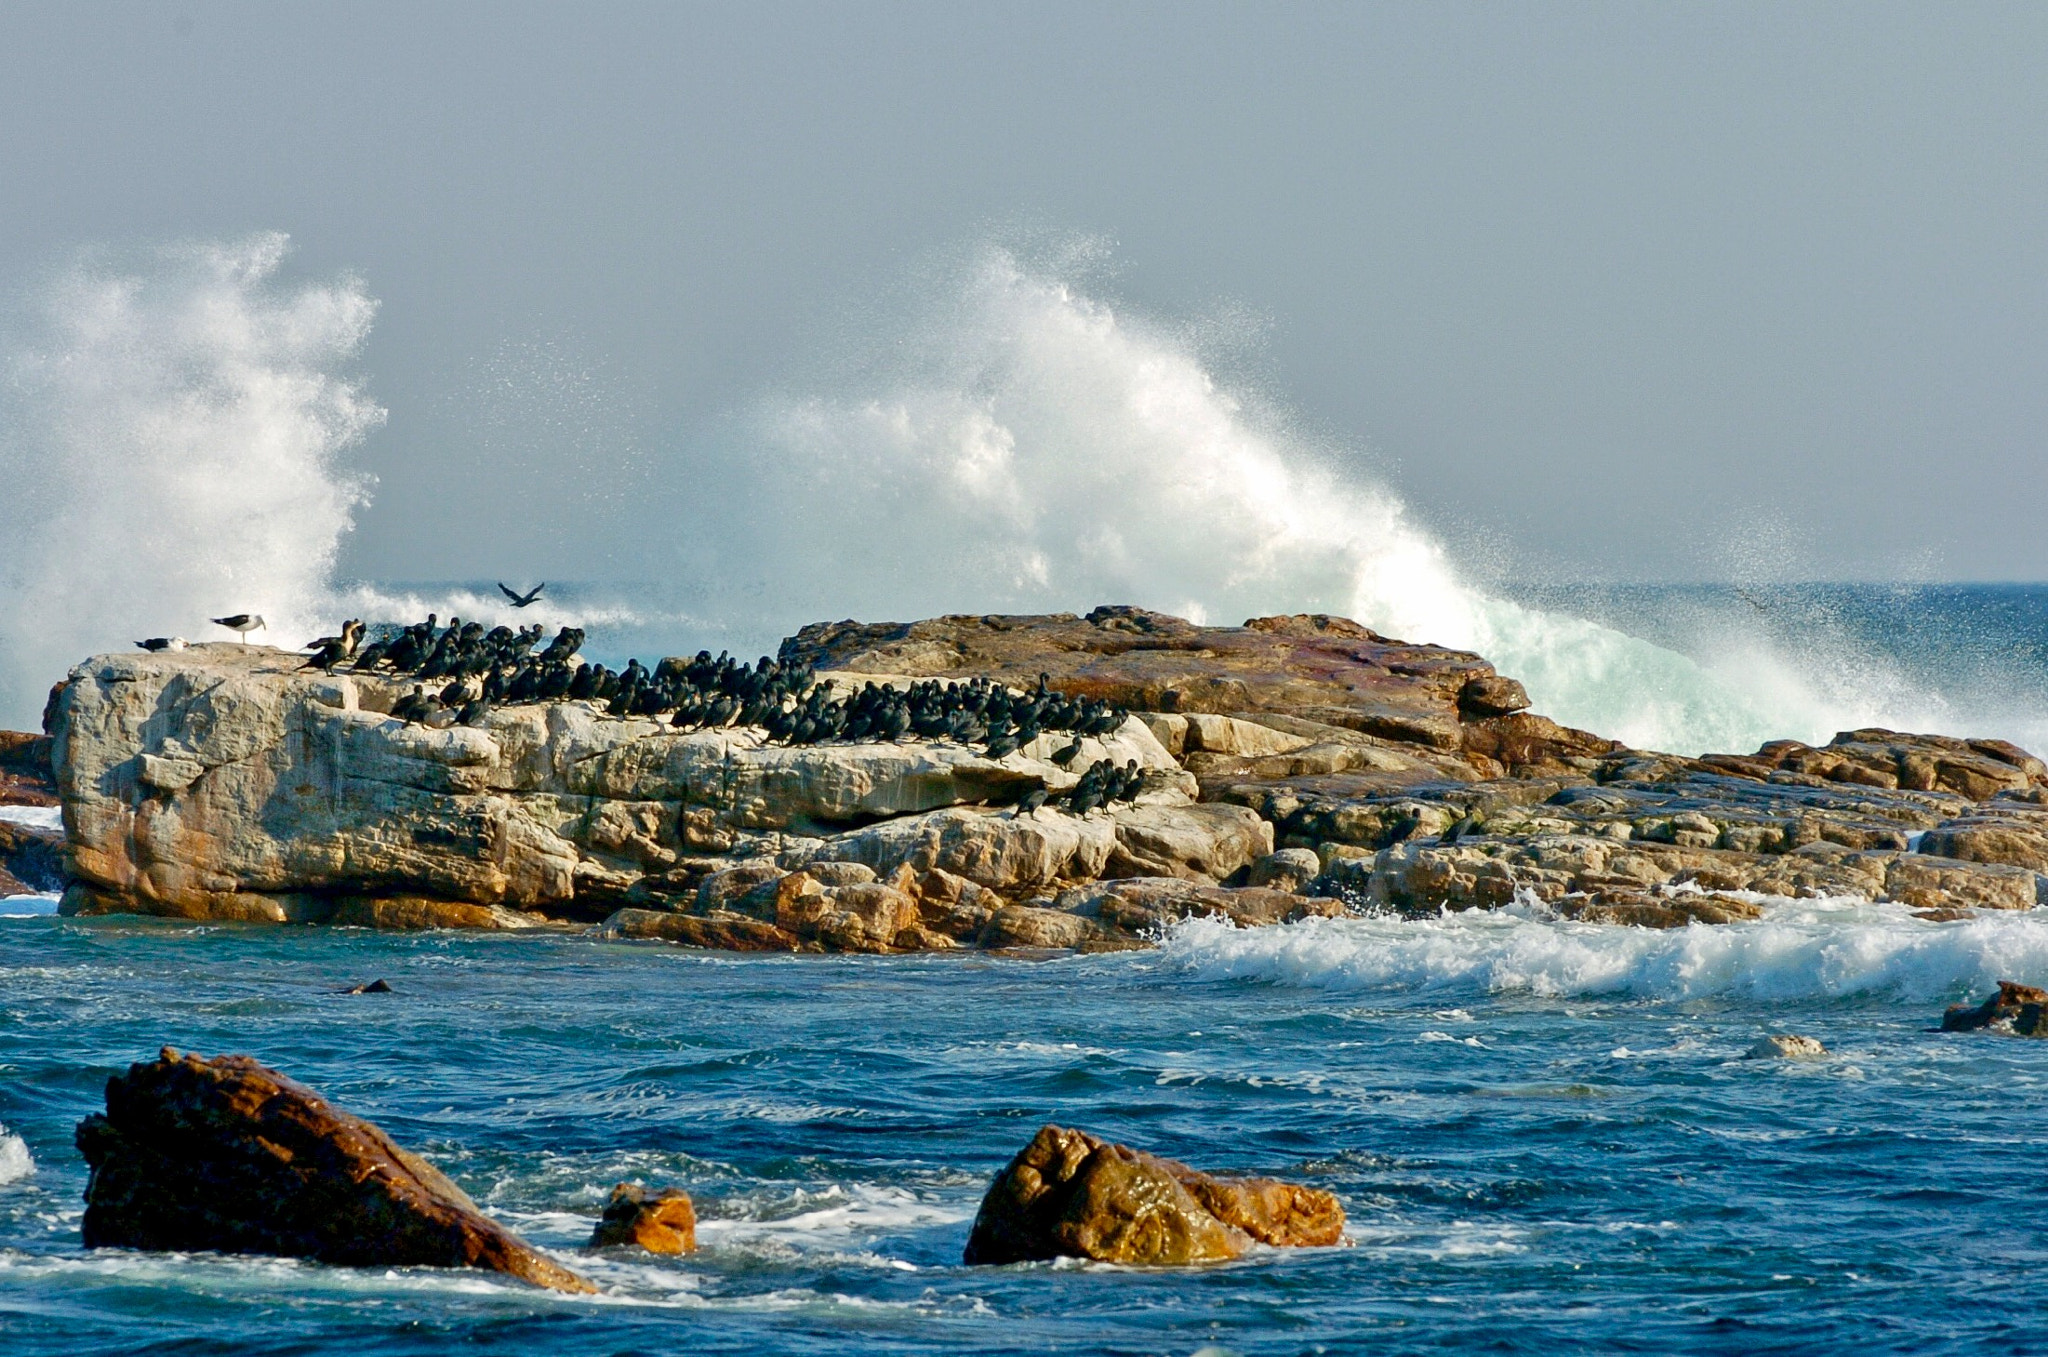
column 659, row 1222
column 1207, row 842
column 33, row 858
column 1006, row 852
column 2021, row 1010
column 1071, row 1194
column 1053, row 929
column 1640, row 909
column 1141, row 906
column 27, row 777
column 230, row 1156
column 1287, row 870
column 1785, row 1047
column 199, row 777
column 724, row 931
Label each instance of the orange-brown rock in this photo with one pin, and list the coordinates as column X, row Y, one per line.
column 26, row 777
column 227, row 1155
column 2019, row 1009
column 1070, row 1194
column 1325, row 669
column 659, row 1222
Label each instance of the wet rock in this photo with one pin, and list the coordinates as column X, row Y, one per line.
column 33, row 858
column 659, row 1222
column 1140, row 907
column 1639, row 909
column 1785, row 1047
column 228, row 1155
column 1032, row 927
column 1071, row 1194
column 724, row 931
column 370, row 987
column 2021, row 1010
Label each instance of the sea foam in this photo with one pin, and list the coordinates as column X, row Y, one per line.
column 15, row 1161
column 1800, row 950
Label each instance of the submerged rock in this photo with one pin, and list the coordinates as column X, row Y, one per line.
column 659, row 1222
column 1785, row 1047
column 2021, row 1010
column 1069, row 1194
column 227, row 1155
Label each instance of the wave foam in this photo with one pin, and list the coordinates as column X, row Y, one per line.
column 169, row 445
column 15, row 1161
column 1799, row 950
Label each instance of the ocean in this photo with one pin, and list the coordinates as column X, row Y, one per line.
column 1544, row 1133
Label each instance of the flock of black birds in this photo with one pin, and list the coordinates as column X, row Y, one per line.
column 465, row 670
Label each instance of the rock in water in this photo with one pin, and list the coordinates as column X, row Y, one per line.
column 1070, row 1194
column 1785, row 1047
column 2019, row 1009
column 659, row 1222
column 230, row 1156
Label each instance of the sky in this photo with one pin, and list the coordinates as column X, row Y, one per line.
column 1620, row 292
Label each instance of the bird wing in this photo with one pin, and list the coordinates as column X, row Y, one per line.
column 507, row 592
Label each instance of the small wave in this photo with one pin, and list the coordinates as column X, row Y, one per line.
column 1809, row 949
column 16, row 1162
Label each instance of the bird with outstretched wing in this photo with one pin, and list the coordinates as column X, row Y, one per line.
column 521, row 600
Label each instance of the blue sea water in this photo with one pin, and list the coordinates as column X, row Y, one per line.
column 1545, row 1133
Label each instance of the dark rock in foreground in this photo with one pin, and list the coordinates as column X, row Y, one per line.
column 2021, row 1010
column 227, row 1155
column 659, row 1222
column 1072, row 1195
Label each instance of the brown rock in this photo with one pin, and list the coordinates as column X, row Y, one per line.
column 227, row 1155
column 1070, row 1194
column 2020, row 1009
column 724, row 931
column 659, row 1222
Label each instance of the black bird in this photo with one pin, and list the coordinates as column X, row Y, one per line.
column 521, row 600
column 1069, row 754
column 1032, row 802
column 155, row 643
column 244, row 623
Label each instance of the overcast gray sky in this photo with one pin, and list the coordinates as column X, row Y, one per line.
column 1626, row 291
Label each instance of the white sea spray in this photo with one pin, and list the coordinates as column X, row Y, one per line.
column 1804, row 950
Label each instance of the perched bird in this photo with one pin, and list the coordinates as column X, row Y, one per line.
column 521, row 600
column 1030, row 804
column 330, row 653
column 243, row 623
column 1069, row 754
column 163, row 643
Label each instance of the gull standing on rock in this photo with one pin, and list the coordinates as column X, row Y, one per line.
column 244, row 623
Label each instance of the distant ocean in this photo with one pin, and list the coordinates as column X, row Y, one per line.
column 1543, row 1132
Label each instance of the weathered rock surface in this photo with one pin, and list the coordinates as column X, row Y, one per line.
column 1302, row 755
column 27, row 776
column 659, row 1222
column 1070, row 1194
column 2021, row 1010
column 195, row 778
column 230, row 1156
column 1789, row 1046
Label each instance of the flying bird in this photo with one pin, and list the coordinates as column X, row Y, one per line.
column 521, row 600
column 243, row 623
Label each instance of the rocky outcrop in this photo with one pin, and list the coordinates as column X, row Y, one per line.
column 1785, row 1047
column 197, row 779
column 659, row 1222
column 2018, row 1010
column 1304, row 756
column 230, row 1156
column 1069, row 1194
column 27, row 777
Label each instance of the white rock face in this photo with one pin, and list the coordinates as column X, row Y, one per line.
column 225, row 781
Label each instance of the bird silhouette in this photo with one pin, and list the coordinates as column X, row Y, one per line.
column 521, row 600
